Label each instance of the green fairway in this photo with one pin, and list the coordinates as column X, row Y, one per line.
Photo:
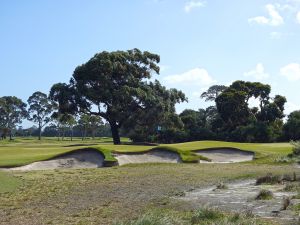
column 25, row 151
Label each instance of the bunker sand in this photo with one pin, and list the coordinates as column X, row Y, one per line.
column 155, row 156
column 226, row 155
column 76, row 160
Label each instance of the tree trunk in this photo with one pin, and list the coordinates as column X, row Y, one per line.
column 40, row 132
column 93, row 134
column 115, row 133
column 72, row 134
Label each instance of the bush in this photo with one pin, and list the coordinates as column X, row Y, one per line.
column 264, row 195
column 296, row 147
column 268, row 179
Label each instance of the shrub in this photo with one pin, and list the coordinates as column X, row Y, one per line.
column 264, row 195
column 268, row 179
column 296, row 147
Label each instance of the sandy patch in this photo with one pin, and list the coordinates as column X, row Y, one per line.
column 240, row 197
column 155, row 156
column 226, row 155
column 77, row 159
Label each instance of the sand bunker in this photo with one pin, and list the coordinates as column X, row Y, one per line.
column 154, row 156
column 226, row 155
column 77, row 159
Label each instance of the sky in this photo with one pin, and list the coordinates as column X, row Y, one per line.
column 200, row 42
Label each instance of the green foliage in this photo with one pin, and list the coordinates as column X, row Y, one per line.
column 296, row 148
column 213, row 92
column 292, row 126
column 12, row 112
column 241, row 123
column 40, row 109
column 114, row 85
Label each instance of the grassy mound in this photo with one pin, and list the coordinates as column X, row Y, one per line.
column 186, row 156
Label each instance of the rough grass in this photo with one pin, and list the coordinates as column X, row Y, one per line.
column 24, row 151
column 102, row 196
column 202, row 216
column 8, row 183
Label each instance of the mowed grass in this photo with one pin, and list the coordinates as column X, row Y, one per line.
column 24, row 151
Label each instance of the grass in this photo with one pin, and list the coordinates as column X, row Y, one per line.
column 102, row 196
column 27, row 150
column 202, row 216
column 8, row 183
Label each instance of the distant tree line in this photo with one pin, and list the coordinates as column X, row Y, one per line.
column 112, row 94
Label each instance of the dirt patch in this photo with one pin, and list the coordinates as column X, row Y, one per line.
column 155, row 156
column 226, row 155
column 240, row 197
column 77, row 159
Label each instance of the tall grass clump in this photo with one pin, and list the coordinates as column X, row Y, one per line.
column 268, row 179
column 153, row 218
column 206, row 214
column 264, row 195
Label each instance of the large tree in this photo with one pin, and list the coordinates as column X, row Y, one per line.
column 12, row 112
column 213, row 92
column 157, row 116
column 112, row 85
column 233, row 104
column 292, row 127
column 262, row 123
column 40, row 110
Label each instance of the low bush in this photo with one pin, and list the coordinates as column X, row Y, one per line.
column 296, row 147
column 268, row 179
column 264, row 195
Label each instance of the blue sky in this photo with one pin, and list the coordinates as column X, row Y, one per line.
column 200, row 42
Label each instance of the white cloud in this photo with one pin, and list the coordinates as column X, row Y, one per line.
column 197, row 76
column 298, row 17
column 274, row 19
column 193, row 4
column 291, row 71
column 258, row 73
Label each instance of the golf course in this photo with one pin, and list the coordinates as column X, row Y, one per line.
column 149, row 112
column 138, row 190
